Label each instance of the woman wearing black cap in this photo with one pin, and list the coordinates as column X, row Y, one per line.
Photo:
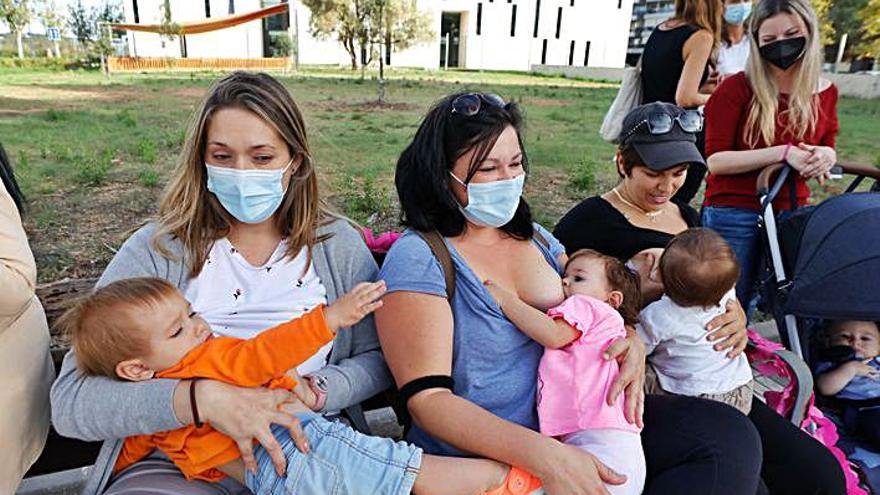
column 634, row 221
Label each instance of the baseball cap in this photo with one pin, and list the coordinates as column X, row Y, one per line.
column 659, row 151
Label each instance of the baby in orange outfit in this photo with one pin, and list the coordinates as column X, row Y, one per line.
column 141, row 328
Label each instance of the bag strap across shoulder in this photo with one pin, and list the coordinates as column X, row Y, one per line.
column 438, row 248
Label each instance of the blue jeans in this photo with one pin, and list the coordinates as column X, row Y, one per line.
column 341, row 461
column 739, row 227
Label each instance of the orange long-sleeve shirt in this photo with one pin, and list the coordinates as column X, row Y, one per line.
column 260, row 361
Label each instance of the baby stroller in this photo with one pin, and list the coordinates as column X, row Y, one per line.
column 821, row 263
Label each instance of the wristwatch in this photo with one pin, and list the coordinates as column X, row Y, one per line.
column 318, row 384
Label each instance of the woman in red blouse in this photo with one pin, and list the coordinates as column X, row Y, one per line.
column 779, row 110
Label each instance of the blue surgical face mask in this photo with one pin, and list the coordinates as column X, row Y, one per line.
column 737, row 13
column 251, row 196
column 492, row 204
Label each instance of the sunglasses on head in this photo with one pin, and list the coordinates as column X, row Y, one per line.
column 661, row 123
column 471, row 103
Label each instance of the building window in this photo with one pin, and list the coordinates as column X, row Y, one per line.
column 571, row 53
column 587, row 54
column 207, row 8
column 134, row 8
column 231, row 7
column 537, row 16
column 558, row 22
column 513, row 22
column 544, row 53
column 479, row 18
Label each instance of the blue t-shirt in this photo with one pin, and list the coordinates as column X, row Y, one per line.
column 494, row 365
column 860, row 387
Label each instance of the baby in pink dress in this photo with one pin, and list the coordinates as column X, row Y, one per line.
column 602, row 296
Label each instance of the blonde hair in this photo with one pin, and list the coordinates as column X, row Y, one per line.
column 194, row 216
column 705, row 14
column 104, row 327
column 803, row 103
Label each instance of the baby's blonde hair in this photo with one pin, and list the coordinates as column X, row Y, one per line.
column 104, row 327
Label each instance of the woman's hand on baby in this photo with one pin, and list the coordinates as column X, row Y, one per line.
column 247, row 414
column 731, row 327
column 630, row 354
column 355, row 305
column 573, row 471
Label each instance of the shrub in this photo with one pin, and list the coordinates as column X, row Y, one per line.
column 365, row 200
column 146, row 151
column 148, row 177
column 92, row 171
column 583, row 177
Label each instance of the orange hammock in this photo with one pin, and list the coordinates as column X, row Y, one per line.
column 197, row 27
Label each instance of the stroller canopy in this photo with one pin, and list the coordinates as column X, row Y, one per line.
column 837, row 275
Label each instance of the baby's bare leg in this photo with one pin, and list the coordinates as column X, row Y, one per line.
column 234, row 469
column 458, row 476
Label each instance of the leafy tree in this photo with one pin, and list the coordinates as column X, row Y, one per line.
column 80, row 22
column 361, row 26
column 17, row 15
column 870, row 16
column 826, row 28
column 844, row 17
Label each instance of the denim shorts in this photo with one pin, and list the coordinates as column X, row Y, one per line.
column 341, row 461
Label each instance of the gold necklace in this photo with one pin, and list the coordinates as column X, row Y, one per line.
column 652, row 215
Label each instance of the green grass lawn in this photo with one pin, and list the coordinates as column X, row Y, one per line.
column 92, row 154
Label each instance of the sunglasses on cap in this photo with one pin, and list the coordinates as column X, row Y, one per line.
column 661, row 123
column 471, row 103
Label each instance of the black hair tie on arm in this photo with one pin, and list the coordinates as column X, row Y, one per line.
column 424, row 383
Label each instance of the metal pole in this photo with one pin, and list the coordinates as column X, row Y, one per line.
column 840, row 50
column 446, row 59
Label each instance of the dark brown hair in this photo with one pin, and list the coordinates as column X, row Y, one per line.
column 620, row 278
column 630, row 158
column 698, row 267
column 104, row 327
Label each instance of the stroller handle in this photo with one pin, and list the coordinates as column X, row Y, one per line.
column 763, row 182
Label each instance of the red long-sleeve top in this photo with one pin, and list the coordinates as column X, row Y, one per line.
column 726, row 114
column 262, row 360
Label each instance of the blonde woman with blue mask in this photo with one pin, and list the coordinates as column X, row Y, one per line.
column 242, row 232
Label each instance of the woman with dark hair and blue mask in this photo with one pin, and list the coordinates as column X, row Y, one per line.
column 466, row 373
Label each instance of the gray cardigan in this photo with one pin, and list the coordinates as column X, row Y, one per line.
column 99, row 408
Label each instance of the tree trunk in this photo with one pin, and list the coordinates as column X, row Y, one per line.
column 18, row 41
column 57, row 49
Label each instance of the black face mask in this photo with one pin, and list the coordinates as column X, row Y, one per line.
column 784, row 53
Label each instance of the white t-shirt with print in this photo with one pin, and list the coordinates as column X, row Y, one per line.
column 241, row 300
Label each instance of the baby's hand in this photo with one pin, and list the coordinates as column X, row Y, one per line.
column 500, row 294
column 861, row 368
column 355, row 305
column 302, row 390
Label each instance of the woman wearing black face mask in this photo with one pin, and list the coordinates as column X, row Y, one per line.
column 779, row 110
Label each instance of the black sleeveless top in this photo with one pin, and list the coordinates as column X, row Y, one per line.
column 662, row 63
column 595, row 224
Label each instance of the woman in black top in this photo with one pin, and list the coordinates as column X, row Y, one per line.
column 635, row 220
column 676, row 67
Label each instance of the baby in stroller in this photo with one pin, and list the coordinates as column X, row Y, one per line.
column 699, row 271
column 850, row 372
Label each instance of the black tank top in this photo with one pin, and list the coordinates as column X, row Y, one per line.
column 662, row 63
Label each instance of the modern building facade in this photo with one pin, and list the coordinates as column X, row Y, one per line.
column 471, row 34
column 646, row 15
